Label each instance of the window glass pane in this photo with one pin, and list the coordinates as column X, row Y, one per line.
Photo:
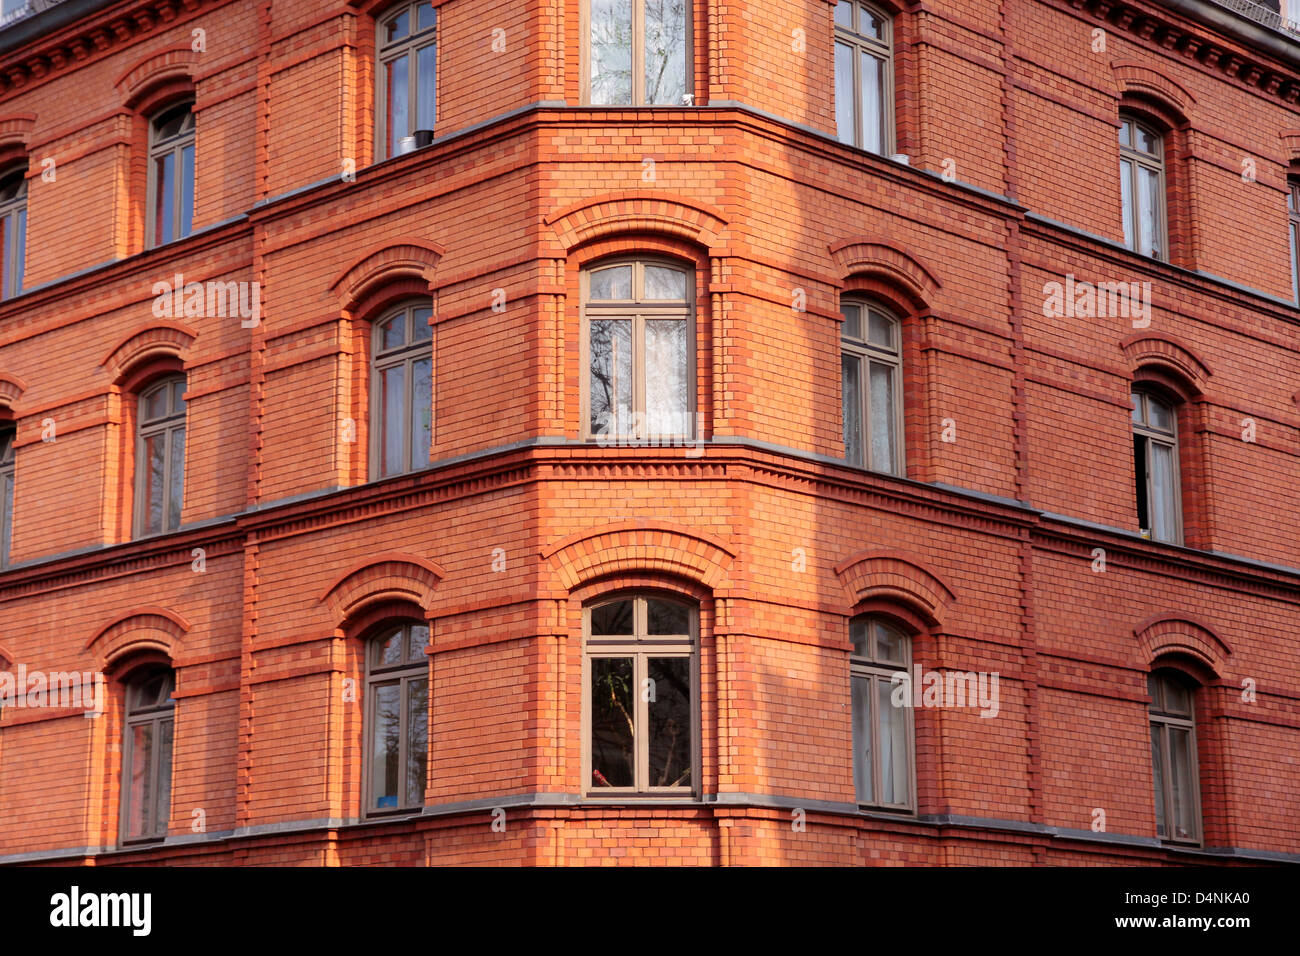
column 1181, row 762
column 670, row 721
column 862, row 750
column 7, row 519
column 397, row 110
column 845, row 112
column 665, row 284
column 665, row 52
column 187, row 190
column 1146, row 141
column 7, row 239
column 422, row 425
column 388, row 649
column 394, row 333
column 890, row 645
column 176, row 490
column 1177, row 699
column 1126, row 133
column 1126, row 199
column 894, row 782
column 666, row 377
column 612, row 284
column 1160, row 415
column 611, row 376
column 860, row 635
column 872, row 78
column 417, row 641
column 417, row 739
column 1153, row 691
column 880, row 330
column 140, row 822
column 667, row 617
column 1148, row 221
column 611, row 52
column 850, row 371
column 882, row 417
column 386, row 745
column 399, row 26
column 1158, row 775
column 611, row 722
column 1295, row 263
column 613, row 619
column 1137, row 408
column 852, row 327
column 155, row 405
column 426, row 14
column 870, row 25
column 421, row 331
column 20, row 253
column 393, row 402
column 164, row 782
column 164, row 190
column 426, row 86
column 844, row 14
column 155, row 493
column 178, row 396
column 1163, row 511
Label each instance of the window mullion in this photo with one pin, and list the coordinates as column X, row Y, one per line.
column 640, row 724
column 877, row 785
column 638, row 53
column 403, row 689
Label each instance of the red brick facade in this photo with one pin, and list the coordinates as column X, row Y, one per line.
column 1018, row 438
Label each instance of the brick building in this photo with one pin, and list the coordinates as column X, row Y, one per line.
column 541, row 432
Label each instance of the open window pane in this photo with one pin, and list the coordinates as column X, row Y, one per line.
column 611, row 52
column 612, row 722
column 1148, row 213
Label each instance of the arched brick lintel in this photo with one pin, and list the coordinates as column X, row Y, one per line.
column 637, row 212
column 1165, row 634
column 385, row 264
column 144, row 629
column 145, row 342
column 158, row 77
column 1140, row 81
column 394, row 576
column 1156, row 349
column 863, row 258
column 896, row 577
column 592, row 554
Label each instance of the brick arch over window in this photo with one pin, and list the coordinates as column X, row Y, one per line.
column 145, row 630
column 659, row 547
column 394, row 579
column 409, row 265
column 11, row 391
column 162, row 339
column 1138, row 82
column 898, row 275
column 15, row 134
column 896, row 577
column 158, row 79
column 1291, row 143
column 1166, row 356
column 1165, row 635
column 6, row 657
column 637, row 213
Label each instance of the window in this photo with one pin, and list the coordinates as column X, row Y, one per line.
column 402, row 391
column 639, row 346
column 13, row 232
column 7, row 438
column 397, row 687
column 160, row 457
column 171, row 175
column 408, row 50
column 1142, row 188
column 871, row 375
column 147, row 756
column 882, row 732
column 1173, row 757
column 864, row 77
column 639, row 53
column 1293, row 231
column 1155, row 466
column 640, row 704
